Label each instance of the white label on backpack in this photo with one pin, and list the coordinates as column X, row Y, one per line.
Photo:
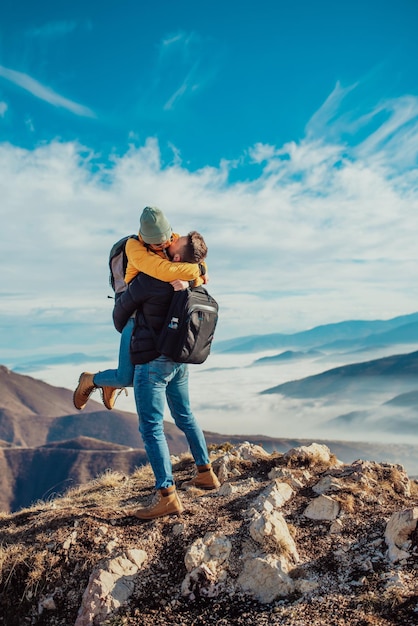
column 174, row 323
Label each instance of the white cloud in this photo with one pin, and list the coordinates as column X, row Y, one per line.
column 3, row 109
column 321, row 235
column 385, row 132
column 328, row 112
column 187, row 85
column 54, row 29
column 397, row 137
column 170, row 40
column 42, row 92
column 186, row 63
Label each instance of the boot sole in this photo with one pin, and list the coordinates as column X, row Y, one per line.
column 78, row 408
column 186, row 487
column 149, row 519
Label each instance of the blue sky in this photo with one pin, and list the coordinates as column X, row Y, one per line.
column 287, row 133
column 210, row 78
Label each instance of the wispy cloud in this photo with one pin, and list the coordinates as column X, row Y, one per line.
column 51, row 30
column 170, row 40
column 184, row 67
column 29, row 124
column 3, row 109
column 396, row 136
column 44, row 93
column 385, row 131
column 329, row 113
column 189, row 85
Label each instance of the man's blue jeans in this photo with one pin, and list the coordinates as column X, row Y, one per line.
column 153, row 383
column 123, row 376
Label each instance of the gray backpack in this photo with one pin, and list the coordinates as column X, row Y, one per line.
column 117, row 265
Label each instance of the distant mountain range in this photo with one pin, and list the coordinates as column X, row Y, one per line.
column 396, row 371
column 288, row 355
column 395, row 376
column 45, row 446
column 382, row 392
column 346, row 334
column 74, row 358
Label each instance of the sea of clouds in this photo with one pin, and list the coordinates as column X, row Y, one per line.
column 226, row 397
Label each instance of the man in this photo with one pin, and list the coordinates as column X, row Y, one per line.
column 157, row 377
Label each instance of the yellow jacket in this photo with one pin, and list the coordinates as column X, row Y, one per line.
column 156, row 264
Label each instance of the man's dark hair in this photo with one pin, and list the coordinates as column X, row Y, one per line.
column 196, row 249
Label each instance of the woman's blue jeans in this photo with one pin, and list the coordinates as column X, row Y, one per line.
column 123, row 376
column 154, row 382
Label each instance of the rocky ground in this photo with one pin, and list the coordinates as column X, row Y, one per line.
column 296, row 538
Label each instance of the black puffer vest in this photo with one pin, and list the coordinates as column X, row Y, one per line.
column 150, row 298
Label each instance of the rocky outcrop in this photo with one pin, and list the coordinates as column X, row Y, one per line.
column 268, row 553
column 292, row 538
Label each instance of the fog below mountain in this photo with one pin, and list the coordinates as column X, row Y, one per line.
column 226, row 397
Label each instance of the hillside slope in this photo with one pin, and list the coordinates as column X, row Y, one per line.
column 34, row 413
column 28, row 475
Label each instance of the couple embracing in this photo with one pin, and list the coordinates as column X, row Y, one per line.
column 159, row 263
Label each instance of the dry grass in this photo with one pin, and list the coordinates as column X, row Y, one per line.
column 414, row 488
column 310, row 461
column 35, row 565
column 220, row 448
column 347, row 502
column 11, row 556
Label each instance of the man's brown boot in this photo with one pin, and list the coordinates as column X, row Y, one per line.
column 84, row 390
column 166, row 502
column 205, row 479
column 109, row 395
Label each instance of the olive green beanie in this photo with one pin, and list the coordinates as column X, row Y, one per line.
column 154, row 227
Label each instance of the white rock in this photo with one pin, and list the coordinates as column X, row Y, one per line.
column 137, row 556
column 46, row 603
column 226, row 489
column 205, row 560
column 203, row 581
column 213, row 547
column 267, row 527
column 224, row 469
column 109, row 587
column 327, row 483
column 178, row 529
column 110, row 547
column 398, row 529
column 122, row 566
column 289, row 475
column 265, row 579
column 274, row 496
column 322, row 508
column 336, row 527
column 250, row 452
column 313, row 454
